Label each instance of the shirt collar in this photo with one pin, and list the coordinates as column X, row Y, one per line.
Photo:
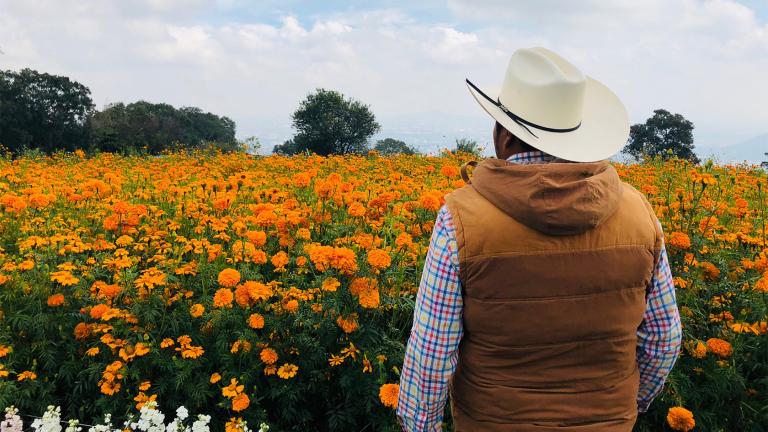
column 530, row 157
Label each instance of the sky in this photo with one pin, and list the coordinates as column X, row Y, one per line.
column 254, row 61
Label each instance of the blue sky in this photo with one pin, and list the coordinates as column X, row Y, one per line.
column 255, row 61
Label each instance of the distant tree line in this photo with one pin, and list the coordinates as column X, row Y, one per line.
column 50, row 113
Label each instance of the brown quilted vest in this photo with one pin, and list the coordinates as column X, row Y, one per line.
column 554, row 262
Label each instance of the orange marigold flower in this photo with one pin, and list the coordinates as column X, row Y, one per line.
column 91, row 352
column 303, row 234
column 229, row 277
column 258, row 291
column 330, row 284
column 287, row 371
column 193, row 352
column 379, row 259
column 762, row 284
column 166, row 343
column 710, row 271
column 403, row 240
column 356, row 209
column 64, row 277
column 370, row 299
column 56, row 300
column 348, row 324
column 109, row 387
column 679, row 240
column 699, row 350
column 429, row 202
column 268, row 356
column 336, row 360
column 26, row 375
column 144, row 386
column 680, row 419
column 233, row 389
column 450, row 170
column 82, row 331
column 196, row 310
column 215, row 377
column 720, row 347
column 242, row 296
column 258, row 238
column 388, row 394
column 360, row 285
column 27, row 265
column 301, row 179
column 223, row 298
column 141, row 349
column 128, row 352
column 240, row 402
column 291, row 305
column 99, row 310
column 256, row 321
column 279, row 260
column 4, row 350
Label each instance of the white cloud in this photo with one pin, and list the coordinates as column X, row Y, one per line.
column 704, row 59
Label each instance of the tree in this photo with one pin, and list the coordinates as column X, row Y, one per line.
column 154, row 128
column 664, row 135
column 39, row 110
column 286, row 149
column 467, row 145
column 328, row 123
column 391, row 146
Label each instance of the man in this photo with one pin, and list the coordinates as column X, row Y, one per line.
column 546, row 301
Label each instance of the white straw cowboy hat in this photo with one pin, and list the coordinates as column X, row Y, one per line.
column 548, row 103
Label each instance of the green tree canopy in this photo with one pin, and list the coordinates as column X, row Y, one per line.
column 328, row 123
column 391, row 146
column 286, row 149
column 39, row 110
column 665, row 134
column 467, row 145
column 155, row 128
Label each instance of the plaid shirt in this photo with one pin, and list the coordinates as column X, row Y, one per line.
column 432, row 351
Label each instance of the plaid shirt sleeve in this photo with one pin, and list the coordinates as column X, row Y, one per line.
column 659, row 335
column 432, row 350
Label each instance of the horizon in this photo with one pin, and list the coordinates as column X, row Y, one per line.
column 255, row 62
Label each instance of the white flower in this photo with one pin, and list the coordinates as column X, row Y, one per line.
column 151, row 419
column 50, row 422
column 12, row 422
column 263, row 427
column 106, row 427
column 73, row 425
column 201, row 424
column 182, row 413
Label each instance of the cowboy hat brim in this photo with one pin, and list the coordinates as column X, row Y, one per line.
column 603, row 131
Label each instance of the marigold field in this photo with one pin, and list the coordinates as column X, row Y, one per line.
column 281, row 290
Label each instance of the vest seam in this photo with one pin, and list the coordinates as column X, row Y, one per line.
column 555, row 251
column 461, row 248
column 555, row 344
column 584, row 420
column 563, row 297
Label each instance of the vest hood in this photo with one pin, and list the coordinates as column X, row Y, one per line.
column 554, row 198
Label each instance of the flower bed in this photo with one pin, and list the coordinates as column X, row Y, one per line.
column 280, row 290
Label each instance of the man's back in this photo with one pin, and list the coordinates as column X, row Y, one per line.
column 433, row 348
column 554, row 262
